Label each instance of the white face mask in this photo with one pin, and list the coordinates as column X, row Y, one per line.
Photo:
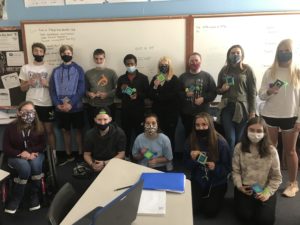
column 255, row 137
column 131, row 69
column 102, row 65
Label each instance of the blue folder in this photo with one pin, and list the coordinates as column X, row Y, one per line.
column 173, row 182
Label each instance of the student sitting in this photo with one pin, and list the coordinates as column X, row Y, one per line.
column 103, row 142
column 255, row 166
column 153, row 148
column 23, row 143
column 207, row 156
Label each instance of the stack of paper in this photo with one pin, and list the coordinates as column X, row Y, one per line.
column 152, row 203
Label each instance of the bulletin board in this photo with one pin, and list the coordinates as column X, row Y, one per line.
column 11, row 60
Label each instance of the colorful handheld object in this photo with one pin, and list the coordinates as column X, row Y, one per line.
column 129, row 91
column 202, row 158
column 256, row 188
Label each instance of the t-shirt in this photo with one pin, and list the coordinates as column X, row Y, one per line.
column 159, row 146
column 38, row 94
column 107, row 146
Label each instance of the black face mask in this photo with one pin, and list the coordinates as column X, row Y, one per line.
column 102, row 127
column 66, row 58
column 202, row 133
column 164, row 69
column 38, row 58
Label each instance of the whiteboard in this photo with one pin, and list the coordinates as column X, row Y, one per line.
column 148, row 40
column 258, row 35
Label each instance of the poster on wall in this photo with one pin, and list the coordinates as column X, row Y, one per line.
column 3, row 14
column 37, row 3
column 82, row 2
column 78, row 2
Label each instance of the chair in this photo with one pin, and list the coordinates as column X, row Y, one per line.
column 48, row 182
column 62, row 203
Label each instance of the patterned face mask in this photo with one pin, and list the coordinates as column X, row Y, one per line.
column 28, row 116
column 150, row 129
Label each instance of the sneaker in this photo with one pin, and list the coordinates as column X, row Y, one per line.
column 70, row 158
column 11, row 207
column 34, row 202
column 291, row 190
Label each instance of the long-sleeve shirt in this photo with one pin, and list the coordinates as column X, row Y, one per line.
column 215, row 177
column 203, row 85
column 284, row 104
column 68, row 84
column 166, row 97
column 141, row 83
column 249, row 168
column 242, row 91
column 103, row 80
column 14, row 141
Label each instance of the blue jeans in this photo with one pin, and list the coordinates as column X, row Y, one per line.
column 233, row 131
column 27, row 168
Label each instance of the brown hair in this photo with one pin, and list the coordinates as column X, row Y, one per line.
column 38, row 45
column 63, row 48
column 213, row 151
column 263, row 145
column 36, row 125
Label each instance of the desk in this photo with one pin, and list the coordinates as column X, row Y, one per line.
column 3, row 174
column 120, row 173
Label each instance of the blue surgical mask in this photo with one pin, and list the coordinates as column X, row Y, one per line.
column 284, row 56
column 234, row 59
column 131, row 69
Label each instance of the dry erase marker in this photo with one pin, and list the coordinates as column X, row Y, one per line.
column 121, row 188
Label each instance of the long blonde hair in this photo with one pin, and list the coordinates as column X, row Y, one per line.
column 293, row 70
column 168, row 61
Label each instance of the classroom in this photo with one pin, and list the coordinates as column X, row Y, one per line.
column 150, row 30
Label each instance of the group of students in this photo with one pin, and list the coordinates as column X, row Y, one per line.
column 209, row 156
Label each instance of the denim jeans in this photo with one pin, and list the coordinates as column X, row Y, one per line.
column 233, row 131
column 27, row 168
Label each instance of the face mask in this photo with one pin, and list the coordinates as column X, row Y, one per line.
column 255, row 137
column 284, row 56
column 234, row 59
column 131, row 69
column 101, row 65
column 28, row 116
column 202, row 133
column 38, row 58
column 195, row 67
column 164, row 69
column 150, row 130
column 66, row 58
column 102, row 127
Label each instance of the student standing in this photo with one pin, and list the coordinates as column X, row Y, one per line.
column 152, row 148
column 132, row 89
column 256, row 175
column 165, row 93
column 67, row 88
column 101, row 83
column 35, row 81
column 280, row 88
column 23, row 143
column 207, row 156
column 198, row 90
column 237, row 85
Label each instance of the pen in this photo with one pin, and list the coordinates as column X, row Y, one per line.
column 121, row 188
